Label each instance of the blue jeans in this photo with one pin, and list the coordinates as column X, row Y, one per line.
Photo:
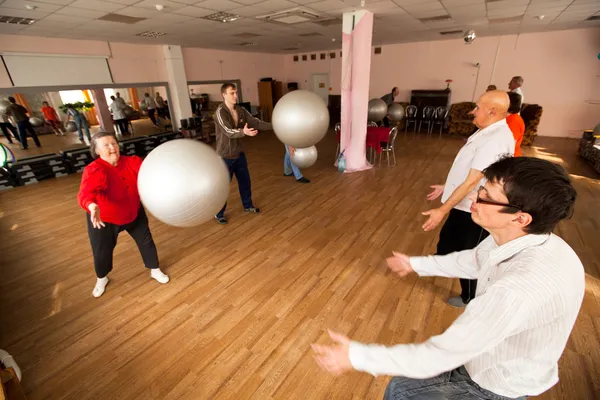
column 452, row 385
column 25, row 127
column 81, row 121
column 288, row 165
column 239, row 167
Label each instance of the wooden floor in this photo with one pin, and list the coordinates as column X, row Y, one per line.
column 247, row 299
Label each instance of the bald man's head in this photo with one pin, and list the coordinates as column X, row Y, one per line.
column 491, row 107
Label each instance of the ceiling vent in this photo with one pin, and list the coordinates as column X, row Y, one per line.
column 455, row 32
column 504, row 20
column 222, row 17
column 247, row 44
column 151, row 34
column 5, row 19
column 310, row 34
column 439, row 18
column 246, row 35
column 122, row 19
column 296, row 15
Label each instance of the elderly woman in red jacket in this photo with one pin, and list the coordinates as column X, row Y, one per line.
column 110, row 195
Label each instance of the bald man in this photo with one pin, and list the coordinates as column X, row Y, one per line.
column 490, row 142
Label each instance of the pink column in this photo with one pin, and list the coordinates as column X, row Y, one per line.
column 357, row 32
column 102, row 111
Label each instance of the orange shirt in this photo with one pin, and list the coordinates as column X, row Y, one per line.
column 49, row 113
column 517, row 126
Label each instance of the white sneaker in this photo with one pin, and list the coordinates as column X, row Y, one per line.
column 100, row 287
column 157, row 274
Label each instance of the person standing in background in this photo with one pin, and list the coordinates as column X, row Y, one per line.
column 389, row 100
column 515, row 86
column 6, row 126
column 160, row 106
column 150, row 104
column 515, row 121
column 19, row 113
column 80, row 121
column 289, row 168
column 52, row 118
column 118, row 112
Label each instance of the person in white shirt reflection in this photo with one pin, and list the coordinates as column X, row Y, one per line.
column 515, row 86
column 509, row 339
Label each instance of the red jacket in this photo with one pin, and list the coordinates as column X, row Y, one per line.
column 114, row 189
column 517, row 126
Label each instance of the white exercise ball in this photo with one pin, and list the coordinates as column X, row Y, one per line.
column 300, row 119
column 396, row 112
column 71, row 126
column 377, row 110
column 35, row 121
column 305, row 157
column 183, row 183
column 4, row 105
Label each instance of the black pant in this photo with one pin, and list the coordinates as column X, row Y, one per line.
column 461, row 233
column 151, row 115
column 104, row 241
column 123, row 125
column 239, row 167
column 6, row 126
column 24, row 127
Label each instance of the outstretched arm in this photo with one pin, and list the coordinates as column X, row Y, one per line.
column 256, row 123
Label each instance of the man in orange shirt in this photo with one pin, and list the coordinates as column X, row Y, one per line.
column 52, row 118
column 515, row 121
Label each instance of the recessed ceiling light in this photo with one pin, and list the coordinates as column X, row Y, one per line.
column 222, row 17
column 151, row 34
column 248, row 44
column 30, row 7
column 160, row 7
column 540, row 17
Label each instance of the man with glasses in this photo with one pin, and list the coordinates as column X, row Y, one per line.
column 493, row 140
column 507, row 342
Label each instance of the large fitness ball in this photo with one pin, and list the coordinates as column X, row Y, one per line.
column 304, row 158
column 300, row 119
column 71, row 126
column 377, row 110
column 129, row 111
column 35, row 121
column 4, row 105
column 396, row 112
column 183, row 183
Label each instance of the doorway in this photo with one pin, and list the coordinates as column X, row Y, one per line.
column 320, row 85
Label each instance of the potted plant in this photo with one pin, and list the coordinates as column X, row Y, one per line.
column 79, row 106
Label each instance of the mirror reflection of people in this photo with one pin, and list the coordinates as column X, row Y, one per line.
column 109, row 195
column 389, row 100
column 80, row 121
column 118, row 111
column 515, row 121
column 51, row 118
column 21, row 117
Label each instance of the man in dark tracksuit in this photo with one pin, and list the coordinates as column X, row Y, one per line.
column 232, row 123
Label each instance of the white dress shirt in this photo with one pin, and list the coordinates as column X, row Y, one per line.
column 513, row 332
column 150, row 103
column 482, row 149
column 118, row 110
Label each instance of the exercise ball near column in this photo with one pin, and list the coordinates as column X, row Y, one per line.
column 305, row 157
column 300, row 119
column 71, row 126
column 183, row 183
column 4, row 105
column 377, row 110
column 35, row 121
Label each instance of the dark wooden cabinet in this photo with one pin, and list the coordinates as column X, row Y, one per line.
column 269, row 94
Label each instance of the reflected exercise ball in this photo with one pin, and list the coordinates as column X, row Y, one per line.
column 396, row 112
column 305, row 157
column 71, row 126
column 129, row 111
column 183, row 183
column 300, row 119
column 35, row 121
column 4, row 105
column 377, row 110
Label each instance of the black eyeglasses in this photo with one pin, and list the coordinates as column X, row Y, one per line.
column 493, row 203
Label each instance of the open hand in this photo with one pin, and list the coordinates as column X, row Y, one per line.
column 436, row 215
column 95, row 216
column 334, row 359
column 249, row 131
column 437, row 192
column 400, row 264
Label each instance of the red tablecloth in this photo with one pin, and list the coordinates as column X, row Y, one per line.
column 375, row 136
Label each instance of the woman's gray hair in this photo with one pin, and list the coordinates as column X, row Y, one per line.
column 95, row 139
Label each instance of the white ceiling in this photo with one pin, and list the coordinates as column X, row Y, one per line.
column 396, row 21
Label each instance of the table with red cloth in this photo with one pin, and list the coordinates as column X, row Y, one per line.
column 375, row 137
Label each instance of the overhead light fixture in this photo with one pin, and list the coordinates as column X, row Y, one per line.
column 540, row 17
column 30, row 7
column 222, row 17
column 6, row 19
column 151, row 34
column 248, row 44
